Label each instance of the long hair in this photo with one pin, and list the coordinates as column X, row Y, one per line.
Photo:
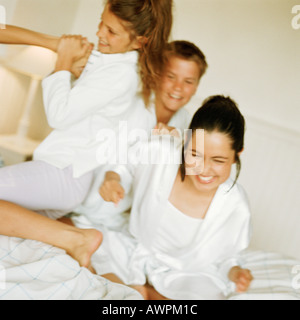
column 151, row 19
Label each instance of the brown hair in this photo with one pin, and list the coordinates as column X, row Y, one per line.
column 151, row 19
column 187, row 51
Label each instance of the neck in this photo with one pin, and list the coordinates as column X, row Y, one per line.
column 163, row 114
column 189, row 184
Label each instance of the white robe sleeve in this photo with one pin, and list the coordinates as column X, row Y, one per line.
column 241, row 243
column 65, row 105
column 159, row 150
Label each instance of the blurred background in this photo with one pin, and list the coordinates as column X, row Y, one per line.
column 253, row 54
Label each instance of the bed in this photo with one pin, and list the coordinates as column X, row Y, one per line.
column 276, row 277
column 31, row 270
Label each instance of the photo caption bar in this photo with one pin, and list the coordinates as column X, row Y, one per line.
column 150, row 309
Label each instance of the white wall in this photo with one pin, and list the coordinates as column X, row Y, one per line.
column 252, row 50
column 87, row 19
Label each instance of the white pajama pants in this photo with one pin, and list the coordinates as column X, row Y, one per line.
column 41, row 187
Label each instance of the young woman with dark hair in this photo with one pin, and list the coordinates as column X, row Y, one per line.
column 189, row 221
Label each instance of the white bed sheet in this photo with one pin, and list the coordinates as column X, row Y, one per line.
column 31, row 270
column 275, row 277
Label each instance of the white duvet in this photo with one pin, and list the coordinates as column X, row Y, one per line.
column 30, row 270
column 275, row 277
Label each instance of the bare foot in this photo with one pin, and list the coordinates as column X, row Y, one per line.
column 142, row 290
column 87, row 242
column 148, row 292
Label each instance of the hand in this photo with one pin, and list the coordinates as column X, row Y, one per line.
column 163, row 129
column 75, row 47
column 79, row 65
column 111, row 189
column 241, row 277
column 71, row 50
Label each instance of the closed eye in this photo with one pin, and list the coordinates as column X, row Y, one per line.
column 221, row 160
column 112, row 32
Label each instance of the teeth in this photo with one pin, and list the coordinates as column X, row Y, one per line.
column 175, row 97
column 205, row 179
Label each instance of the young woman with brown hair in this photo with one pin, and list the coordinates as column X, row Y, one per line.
column 58, row 179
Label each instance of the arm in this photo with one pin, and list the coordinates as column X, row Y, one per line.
column 71, row 50
column 66, row 105
column 119, row 180
column 240, row 228
column 17, row 35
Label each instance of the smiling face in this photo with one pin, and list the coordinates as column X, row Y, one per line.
column 209, row 166
column 113, row 36
column 179, row 83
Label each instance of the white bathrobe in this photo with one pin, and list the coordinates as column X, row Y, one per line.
column 102, row 96
column 175, row 253
column 94, row 208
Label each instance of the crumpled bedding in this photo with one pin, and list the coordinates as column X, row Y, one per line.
column 31, row 270
column 276, row 277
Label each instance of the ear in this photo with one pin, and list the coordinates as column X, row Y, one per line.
column 138, row 42
column 239, row 154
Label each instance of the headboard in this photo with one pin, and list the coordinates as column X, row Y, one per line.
column 271, row 176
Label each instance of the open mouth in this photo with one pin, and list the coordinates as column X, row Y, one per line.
column 102, row 44
column 174, row 96
column 205, row 180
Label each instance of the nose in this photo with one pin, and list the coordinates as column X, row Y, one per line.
column 177, row 86
column 206, row 169
column 101, row 31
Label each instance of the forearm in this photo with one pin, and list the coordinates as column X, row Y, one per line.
column 16, row 35
column 63, row 63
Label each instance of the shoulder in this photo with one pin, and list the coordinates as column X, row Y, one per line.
column 113, row 66
column 237, row 197
column 113, row 79
column 127, row 61
column 181, row 119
